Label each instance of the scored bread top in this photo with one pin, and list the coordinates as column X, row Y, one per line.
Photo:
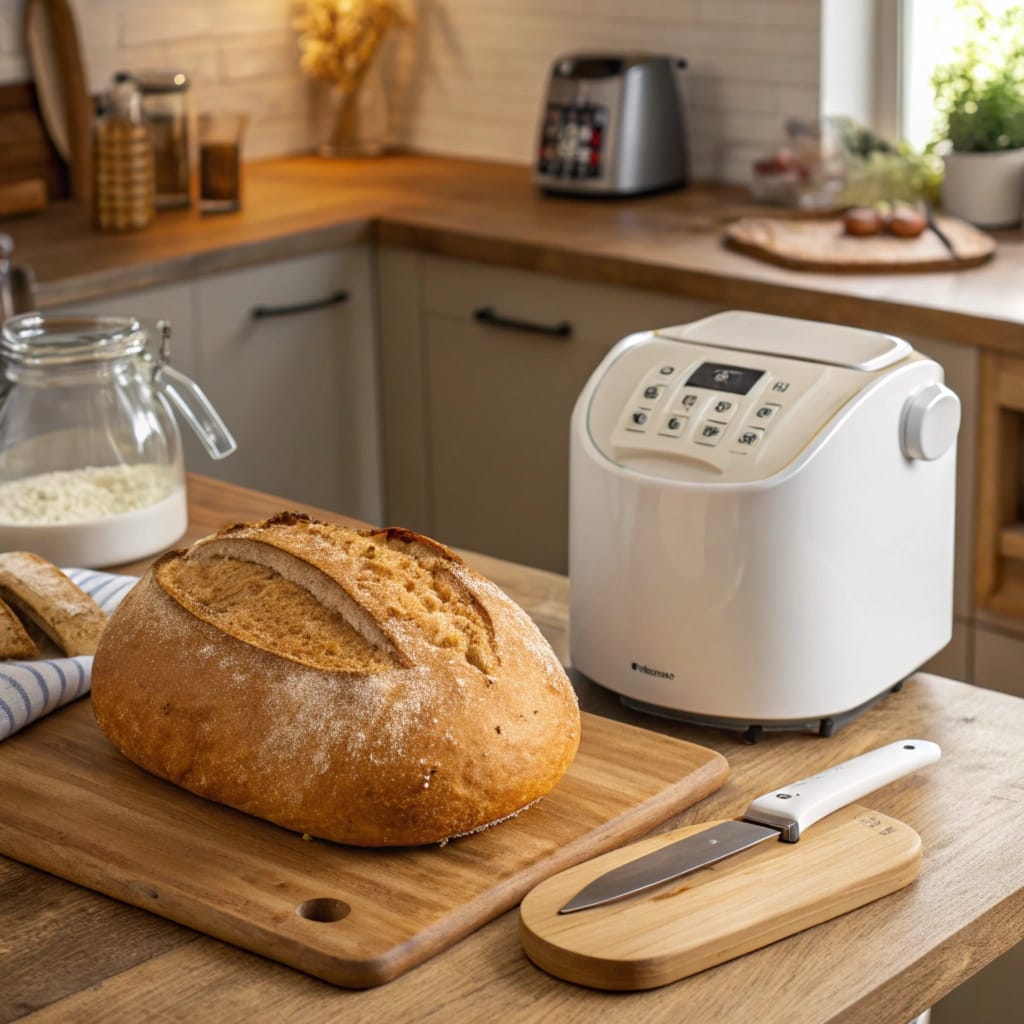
column 361, row 686
column 343, row 600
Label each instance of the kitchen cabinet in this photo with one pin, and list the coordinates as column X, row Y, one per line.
column 483, row 366
column 286, row 352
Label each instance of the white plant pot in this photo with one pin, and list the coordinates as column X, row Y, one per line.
column 986, row 189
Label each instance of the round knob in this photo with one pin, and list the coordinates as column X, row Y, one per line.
column 931, row 420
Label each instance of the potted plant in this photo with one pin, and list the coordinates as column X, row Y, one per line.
column 979, row 95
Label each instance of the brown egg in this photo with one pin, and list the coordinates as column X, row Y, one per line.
column 862, row 221
column 906, row 223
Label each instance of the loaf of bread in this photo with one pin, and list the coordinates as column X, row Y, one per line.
column 361, row 686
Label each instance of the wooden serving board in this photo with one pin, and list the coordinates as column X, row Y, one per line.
column 742, row 903
column 72, row 805
column 822, row 244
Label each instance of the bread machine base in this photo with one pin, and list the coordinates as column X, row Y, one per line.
column 753, row 732
column 761, row 520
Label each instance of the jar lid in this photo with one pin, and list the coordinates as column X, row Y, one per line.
column 150, row 82
column 34, row 339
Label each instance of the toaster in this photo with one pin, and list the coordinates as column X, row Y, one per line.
column 612, row 125
column 761, row 520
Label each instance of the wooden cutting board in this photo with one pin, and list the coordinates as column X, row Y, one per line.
column 742, row 903
column 822, row 244
column 72, row 805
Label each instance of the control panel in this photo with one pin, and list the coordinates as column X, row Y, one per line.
column 693, row 411
column 573, row 140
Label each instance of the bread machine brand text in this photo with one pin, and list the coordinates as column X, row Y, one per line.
column 637, row 667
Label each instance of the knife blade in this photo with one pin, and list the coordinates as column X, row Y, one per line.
column 782, row 814
column 929, row 215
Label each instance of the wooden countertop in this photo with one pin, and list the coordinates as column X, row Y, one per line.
column 493, row 213
column 68, row 954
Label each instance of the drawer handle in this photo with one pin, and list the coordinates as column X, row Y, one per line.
column 264, row 312
column 488, row 315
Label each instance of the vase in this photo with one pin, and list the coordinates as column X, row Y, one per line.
column 353, row 123
column 986, row 189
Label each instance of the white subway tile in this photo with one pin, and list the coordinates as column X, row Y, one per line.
column 276, row 56
column 152, row 23
column 13, row 68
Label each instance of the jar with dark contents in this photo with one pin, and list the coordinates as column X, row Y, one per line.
column 220, row 161
column 166, row 108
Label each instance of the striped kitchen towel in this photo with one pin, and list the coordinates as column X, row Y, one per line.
column 31, row 689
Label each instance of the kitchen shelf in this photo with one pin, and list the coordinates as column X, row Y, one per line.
column 999, row 549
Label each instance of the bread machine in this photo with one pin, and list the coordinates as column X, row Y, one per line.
column 761, row 520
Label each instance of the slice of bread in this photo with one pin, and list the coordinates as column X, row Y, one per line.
column 15, row 643
column 361, row 686
column 41, row 594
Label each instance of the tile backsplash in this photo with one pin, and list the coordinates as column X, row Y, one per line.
column 468, row 78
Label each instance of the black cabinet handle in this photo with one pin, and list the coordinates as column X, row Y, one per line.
column 264, row 312
column 488, row 315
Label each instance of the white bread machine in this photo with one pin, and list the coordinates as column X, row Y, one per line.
column 761, row 520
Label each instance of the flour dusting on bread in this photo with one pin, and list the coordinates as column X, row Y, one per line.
column 361, row 686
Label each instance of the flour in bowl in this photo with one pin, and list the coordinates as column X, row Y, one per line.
column 77, row 495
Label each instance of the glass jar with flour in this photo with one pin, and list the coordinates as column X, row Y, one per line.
column 91, row 465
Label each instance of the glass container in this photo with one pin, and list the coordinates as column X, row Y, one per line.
column 167, row 109
column 91, row 465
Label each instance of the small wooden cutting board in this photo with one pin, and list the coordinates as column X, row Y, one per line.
column 738, row 905
column 822, row 244
column 72, row 805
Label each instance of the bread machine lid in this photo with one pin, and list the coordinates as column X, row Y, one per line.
column 733, row 398
column 795, row 339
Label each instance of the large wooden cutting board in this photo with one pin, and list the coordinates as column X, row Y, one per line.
column 72, row 805
column 821, row 243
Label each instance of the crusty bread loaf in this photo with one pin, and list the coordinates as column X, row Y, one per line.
column 44, row 596
column 366, row 687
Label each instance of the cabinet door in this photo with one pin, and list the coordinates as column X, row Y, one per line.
column 500, row 404
column 296, row 385
column 500, row 394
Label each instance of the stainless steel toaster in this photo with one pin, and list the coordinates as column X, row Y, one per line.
column 613, row 125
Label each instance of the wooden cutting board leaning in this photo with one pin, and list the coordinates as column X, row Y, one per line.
column 733, row 907
column 822, row 244
column 51, row 39
column 72, row 805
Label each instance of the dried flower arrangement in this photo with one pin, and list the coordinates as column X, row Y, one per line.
column 339, row 38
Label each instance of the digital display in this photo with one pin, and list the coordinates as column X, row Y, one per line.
column 737, row 380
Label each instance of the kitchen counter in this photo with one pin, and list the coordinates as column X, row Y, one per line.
column 68, row 954
column 492, row 213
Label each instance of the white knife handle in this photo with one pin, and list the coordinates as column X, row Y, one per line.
column 800, row 804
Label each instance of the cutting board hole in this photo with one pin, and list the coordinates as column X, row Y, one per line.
column 324, row 909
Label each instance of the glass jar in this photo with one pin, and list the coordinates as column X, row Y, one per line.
column 91, row 466
column 167, row 109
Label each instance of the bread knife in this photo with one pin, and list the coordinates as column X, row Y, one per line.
column 782, row 814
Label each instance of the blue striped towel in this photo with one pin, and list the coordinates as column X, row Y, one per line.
column 31, row 689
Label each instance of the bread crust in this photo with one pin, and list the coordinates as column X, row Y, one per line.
column 44, row 595
column 441, row 741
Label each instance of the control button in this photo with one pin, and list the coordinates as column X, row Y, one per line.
column 765, row 414
column 652, row 392
column 673, row 426
column 780, row 386
column 666, row 371
column 747, row 440
column 638, row 421
column 688, row 400
column 710, row 433
column 723, row 409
